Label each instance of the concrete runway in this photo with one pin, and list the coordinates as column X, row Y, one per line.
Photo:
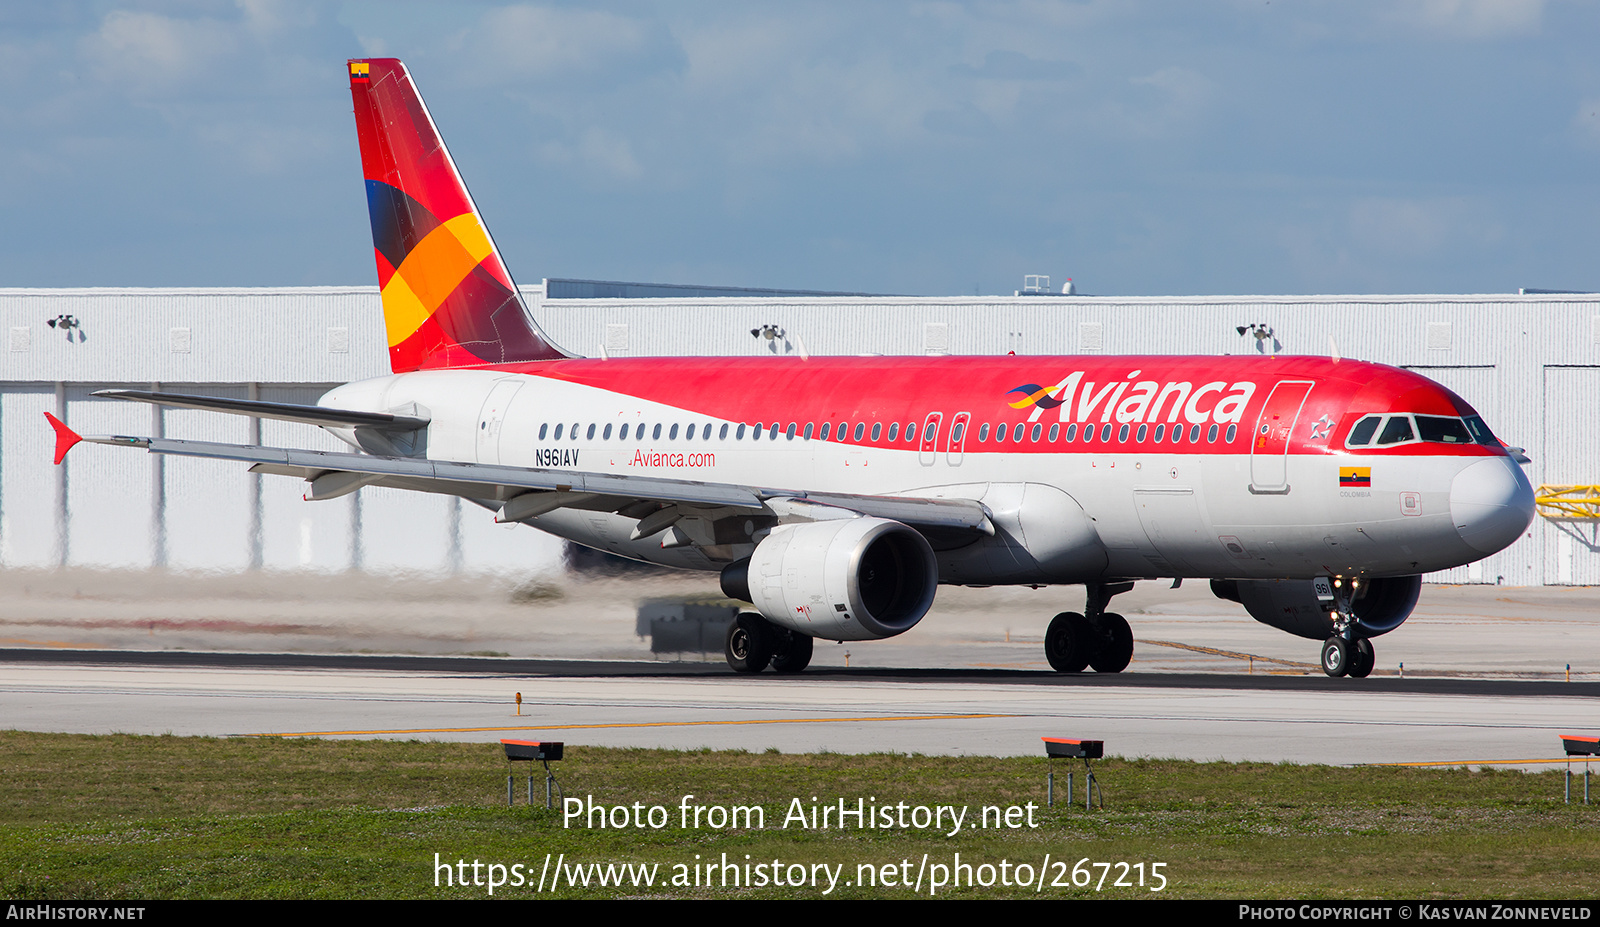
column 1485, row 675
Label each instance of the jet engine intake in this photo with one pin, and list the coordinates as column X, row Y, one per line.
column 845, row 580
column 1380, row 605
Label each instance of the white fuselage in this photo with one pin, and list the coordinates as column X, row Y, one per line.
column 1074, row 516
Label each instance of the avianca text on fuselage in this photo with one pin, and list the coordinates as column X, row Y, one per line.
column 1128, row 401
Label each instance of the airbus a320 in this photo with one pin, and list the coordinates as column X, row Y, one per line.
column 836, row 494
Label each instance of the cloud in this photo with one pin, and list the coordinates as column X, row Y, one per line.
column 150, row 51
column 598, row 151
column 571, row 45
column 1471, row 19
column 1419, row 228
column 1586, row 122
column 1003, row 64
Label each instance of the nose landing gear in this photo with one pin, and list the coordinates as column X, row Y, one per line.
column 1344, row 654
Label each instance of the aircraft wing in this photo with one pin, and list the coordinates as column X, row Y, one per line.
column 525, row 492
column 281, row 411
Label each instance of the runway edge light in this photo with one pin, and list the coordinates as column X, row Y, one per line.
column 530, row 751
column 1064, row 748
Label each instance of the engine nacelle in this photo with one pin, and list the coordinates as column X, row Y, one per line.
column 1381, row 605
column 850, row 579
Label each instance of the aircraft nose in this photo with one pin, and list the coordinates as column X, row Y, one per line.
column 1491, row 503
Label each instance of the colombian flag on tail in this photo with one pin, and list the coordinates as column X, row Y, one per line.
column 448, row 300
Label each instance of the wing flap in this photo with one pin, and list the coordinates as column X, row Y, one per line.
column 597, row 490
column 478, row 479
column 941, row 513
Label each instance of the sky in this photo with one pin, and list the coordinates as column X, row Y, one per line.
column 926, row 148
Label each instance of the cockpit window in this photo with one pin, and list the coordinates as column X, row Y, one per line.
column 1481, row 432
column 1396, row 430
column 1438, row 429
column 1361, row 435
column 1442, row 430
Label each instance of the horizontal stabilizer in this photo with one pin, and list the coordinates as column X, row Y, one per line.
column 66, row 438
column 279, row 411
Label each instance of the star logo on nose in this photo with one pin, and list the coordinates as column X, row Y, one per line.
column 1321, row 428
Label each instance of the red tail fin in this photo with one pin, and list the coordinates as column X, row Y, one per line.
column 448, row 300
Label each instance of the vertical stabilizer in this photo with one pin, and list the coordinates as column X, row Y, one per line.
column 448, row 300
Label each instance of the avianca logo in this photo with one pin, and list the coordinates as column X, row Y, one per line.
column 1133, row 400
column 1034, row 394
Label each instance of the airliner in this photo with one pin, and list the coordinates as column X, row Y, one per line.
column 835, row 494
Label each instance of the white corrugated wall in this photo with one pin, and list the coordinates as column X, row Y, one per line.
column 1530, row 364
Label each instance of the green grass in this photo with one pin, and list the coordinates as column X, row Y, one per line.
column 169, row 817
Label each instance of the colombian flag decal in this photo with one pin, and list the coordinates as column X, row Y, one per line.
column 360, row 71
column 1355, row 476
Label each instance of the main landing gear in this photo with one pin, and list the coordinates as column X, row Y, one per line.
column 1341, row 657
column 1100, row 639
column 753, row 643
column 1345, row 653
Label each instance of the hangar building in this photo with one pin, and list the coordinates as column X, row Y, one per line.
column 1529, row 362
